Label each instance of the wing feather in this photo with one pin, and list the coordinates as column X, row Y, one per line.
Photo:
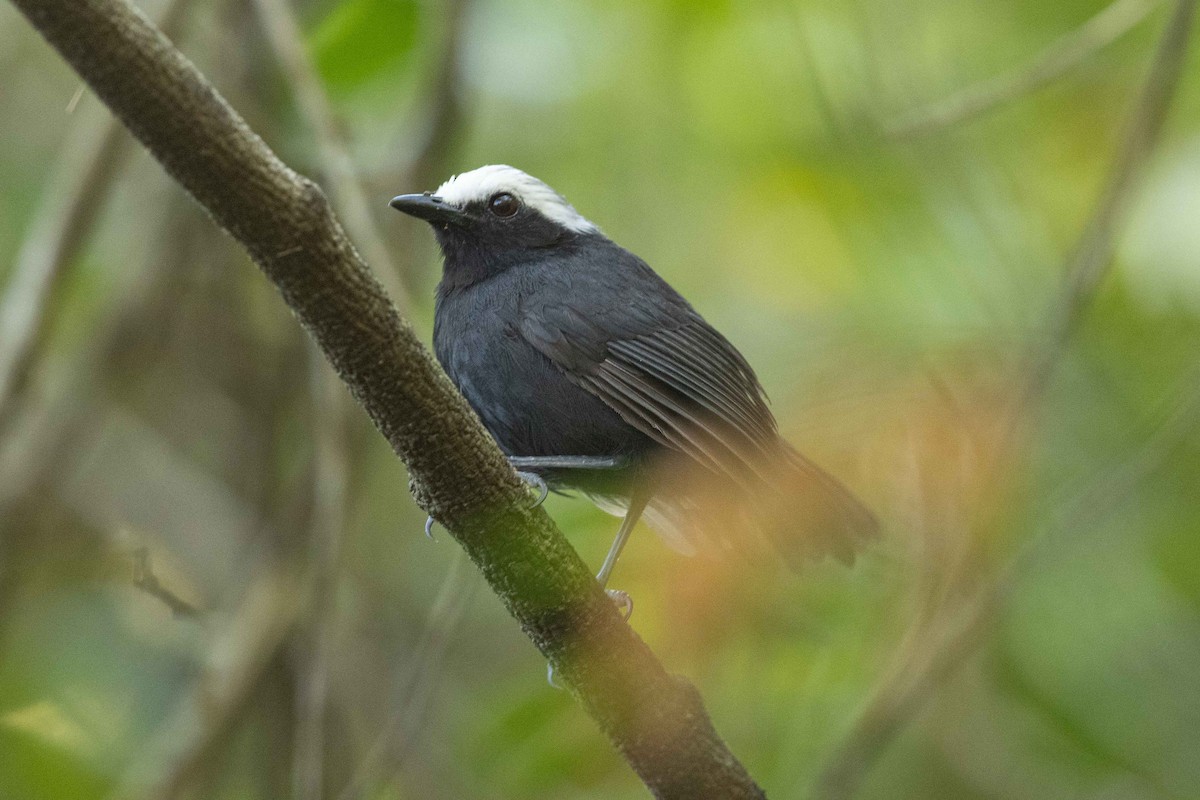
column 701, row 347
column 683, row 391
column 711, row 444
column 636, row 405
column 649, row 354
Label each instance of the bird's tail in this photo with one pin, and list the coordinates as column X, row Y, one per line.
column 820, row 516
column 801, row 510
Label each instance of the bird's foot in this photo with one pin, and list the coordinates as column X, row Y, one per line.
column 551, row 679
column 429, row 528
column 535, row 481
column 623, row 601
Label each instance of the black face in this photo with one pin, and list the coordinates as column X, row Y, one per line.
column 486, row 236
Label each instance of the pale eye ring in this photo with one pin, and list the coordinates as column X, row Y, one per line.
column 504, row 204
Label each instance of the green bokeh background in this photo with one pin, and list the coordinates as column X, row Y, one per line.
column 885, row 287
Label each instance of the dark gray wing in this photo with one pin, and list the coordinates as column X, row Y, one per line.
column 627, row 337
column 616, row 329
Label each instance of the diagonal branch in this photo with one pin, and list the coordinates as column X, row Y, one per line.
column 904, row 692
column 657, row 721
column 237, row 660
column 58, row 233
column 396, row 737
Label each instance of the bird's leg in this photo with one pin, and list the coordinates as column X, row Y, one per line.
column 568, row 462
column 637, row 504
column 525, row 466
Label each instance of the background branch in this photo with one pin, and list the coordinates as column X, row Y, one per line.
column 445, row 113
column 145, row 580
column 337, row 165
column 1066, row 53
column 70, row 205
column 396, row 736
column 237, row 660
column 655, row 720
column 330, row 475
column 1090, row 260
column 926, row 661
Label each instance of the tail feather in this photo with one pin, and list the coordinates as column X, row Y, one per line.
column 802, row 512
column 822, row 517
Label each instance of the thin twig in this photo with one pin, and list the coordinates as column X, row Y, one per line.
column 70, row 205
column 145, row 579
column 444, row 113
column 237, row 658
column 445, row 615
column 443, row 116
column 330, row 470
column 47, row 426
column 1063, row 55
column 928, row 660
column 1090, row 260
column 407, row 718
column 283, row 33
column 59, row 230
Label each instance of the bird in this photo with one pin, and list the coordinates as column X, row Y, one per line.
column 594, row 375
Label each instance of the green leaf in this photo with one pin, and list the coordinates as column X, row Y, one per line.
column 360, row 39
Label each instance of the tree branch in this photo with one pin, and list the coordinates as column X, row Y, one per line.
column 283, row 33
column 237, row 659
column 1088, row 263
column 655, row 720
column 145, row 579
column 330, row 481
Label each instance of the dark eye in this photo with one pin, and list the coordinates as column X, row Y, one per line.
column 504, row 204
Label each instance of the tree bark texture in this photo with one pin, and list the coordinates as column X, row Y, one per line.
column 657, row 721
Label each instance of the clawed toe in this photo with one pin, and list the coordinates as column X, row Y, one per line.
column 550, row 678
column 531, row 479
column 623, row 600
column 535, row 481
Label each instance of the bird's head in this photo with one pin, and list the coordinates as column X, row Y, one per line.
column 494, row 217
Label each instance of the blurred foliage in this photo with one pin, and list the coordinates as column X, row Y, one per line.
column 359, row 41
column 885, row 288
